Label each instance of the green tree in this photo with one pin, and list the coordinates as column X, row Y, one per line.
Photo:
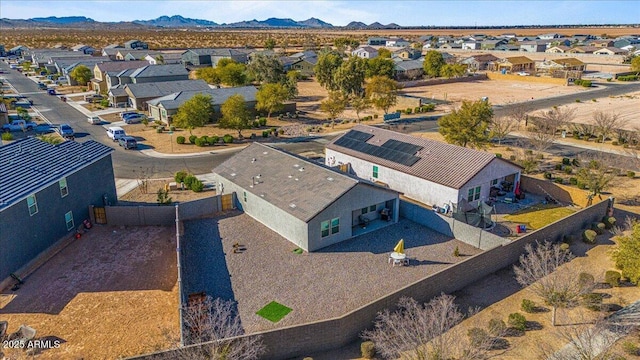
column 334, row 105
column 194, row 112
column 235, row 114
column 359, row 104
column 26, row 66
column 327, row 64
column 625, row 254
column 81, row 74
column 384, row 53
column 291, row 84
column 231, row 73
column 209, row 74
column 452, row 70
column 468, row 125
column 433, row 63
column 23, row 113
column 269, row 44
column 382, row 92
column 596, row 175
column 343, row 43
column 349, row 77
column 270, row 98
column 379, row 66
column 266, row 69
column 635, row 64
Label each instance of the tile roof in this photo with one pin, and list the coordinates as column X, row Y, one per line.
column 157, row 89
column 514, row 60
column 29, row 165
column 449, row 165
column 294, row 185
column 160, row 70
column 117, row 66
column 218, row 96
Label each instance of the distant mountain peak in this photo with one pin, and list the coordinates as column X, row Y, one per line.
column 62, row 20
column 175, row 21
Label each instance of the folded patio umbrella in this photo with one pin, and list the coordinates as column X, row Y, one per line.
column 400, row 247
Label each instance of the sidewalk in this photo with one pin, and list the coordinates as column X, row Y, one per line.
column 155, row 154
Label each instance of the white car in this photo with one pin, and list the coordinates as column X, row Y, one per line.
column 115, row 133
column 522, row 73
column 94, row 120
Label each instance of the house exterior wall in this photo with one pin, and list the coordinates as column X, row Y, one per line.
column 23, row 237
column 159, row 78
column 305, row 67
column 416, row 188
column 190, row 57
column 358, row 197
column 496, row 169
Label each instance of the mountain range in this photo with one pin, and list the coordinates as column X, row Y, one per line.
column 178, row 21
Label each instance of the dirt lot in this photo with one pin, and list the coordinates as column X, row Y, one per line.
column 111, row 293
column 150, row 196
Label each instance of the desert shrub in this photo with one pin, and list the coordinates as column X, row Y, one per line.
column 566, row 161
column 256, row 124
column 192, row 139
column 631, row 174
column 367, row 349
column 201, row 141
column 499, row 156
column 599, row 228
column 564, row 247
column 180, row 139
column 573, row 181
column 539, row 156
column 477, row 337
column 197, row 186
column 615, row 143
column 586, row 83
column 628, row 78
column 630, row 348
column 612, row 278
column 558, row 180
column 7, row 136
column 189, row 180
column 512, row 157
column 160, row 129
column 429, row 107
column 589, row 236
column 517, row 321
column 577, row 100
column 213, row 139
column 547, row 175
column 417, row 109
column 558, row 166
column 265, row 134
column 172, row 128
column 375, row 116
column 586, row 279
column 609, row 222
column 581, row 186
column 567, row 170
column 456, row 252
column 262, row 121
column 528, row 306
column 409, row 110
column 569, row 239
column 593, row 301
column 228, row 139
column 496, row 327
column 180, row 176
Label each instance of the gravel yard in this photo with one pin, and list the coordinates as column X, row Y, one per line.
column 318, row 285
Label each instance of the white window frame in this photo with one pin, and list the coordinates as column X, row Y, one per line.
column 325, row 226
column 337, row 227
column 69, row 222
column 34, row 205
column 64, row 190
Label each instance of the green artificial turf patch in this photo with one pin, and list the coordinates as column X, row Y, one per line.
column 274, row 311
column 298, row 251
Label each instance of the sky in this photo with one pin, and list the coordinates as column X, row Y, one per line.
column 405, row 13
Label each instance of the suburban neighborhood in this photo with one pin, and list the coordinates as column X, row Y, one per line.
column 286, row 189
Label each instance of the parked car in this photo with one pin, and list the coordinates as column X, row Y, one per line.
column 42, row 86
column 66, row 131
column 523, row 73
column 51, row 91
column 115, row 133
column 94, row 120
column 128, row 142
column 93, row 98
column 125, row 113
column 133, row 118
column 19, row 125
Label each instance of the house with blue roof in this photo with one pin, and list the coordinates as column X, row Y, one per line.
column 45, row 194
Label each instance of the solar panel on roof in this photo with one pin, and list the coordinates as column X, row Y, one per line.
column 402, row 146
column 358, row 135
column 356, row 140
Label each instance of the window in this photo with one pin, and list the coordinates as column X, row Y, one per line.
column 64, row 190
column 470, row 195
column 474, row 193
column 477, row 193
column 324, row 228
column 68, row 218
column 335, row 226
column 32, row 204
column 494, row 182
column 375, row 172
column 372, row 208
column 365, row 210
column 245, row 196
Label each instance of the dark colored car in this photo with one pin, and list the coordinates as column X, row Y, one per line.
column 128, row 142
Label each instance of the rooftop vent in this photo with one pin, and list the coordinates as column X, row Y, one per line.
column 330, row 178
column 295, row 165
column 296, row 179
column 301, row 169
column 289, row 176
column 264, row 153
column 233, row 174
column 253, row 160
column 292, row 205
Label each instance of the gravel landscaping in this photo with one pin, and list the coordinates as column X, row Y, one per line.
column 318, row 285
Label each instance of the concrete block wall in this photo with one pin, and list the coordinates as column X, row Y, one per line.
column 200, row 208
column 141, row 215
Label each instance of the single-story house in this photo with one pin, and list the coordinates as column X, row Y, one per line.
column 514, row 64
column 428, row 171
column 571, row 64
column 57, row 184
column 163, row 108
column 533, row 46
column 492, row 44
column 583, row 50
column 377, row 41
column 507, row 47
column 117, row 96
column 85, row 49
column 471, row 45
column 365, row 52
column 559, row 49
column 478, row 62
column 132, row 55
column 308, row 204
column 140, row 93
column 159, row 73
column 408, row 53
column 18, row 50
column 408, row 70
column 396, row 42
column 601, row 43
column 610, row 51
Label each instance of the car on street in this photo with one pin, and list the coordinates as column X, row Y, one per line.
column 51, row 91
column 133, row 118
column 115, row 133
column 93, row 98
column 66, row 131
column 128, row 142
column 94, row 120
column 42, row 86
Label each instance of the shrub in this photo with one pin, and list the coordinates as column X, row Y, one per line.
column 564, row 246
column 630, row 348
column 558, row 180
column 163, row 197
column 573, row 181
column 612, row 278
column 478, row 337
column 262, row 121
column 628, row 78
column 172, row 128
column 558, row 166
column 409, row 110
column 197, row 186
column 568, row 170
column 417, row 110
column 192, row 139
column 7, row 136
column 499, row 156
column 577, row 100
column 517, row 321
column 180, row 139
column 201, row 141
column 429, row 107
column 368, row 349
column 575, row 162
column 496, row 327
column 512, row 157
column 599, row 228
column 585, row 83
column 586, row 279
column 528, row 306
column 180, row 176
column 189, row 180
column 160, row 129
column 539, row 156
column 547, row 175
column 614, row 143
column 592, row 301
column 609, row 222
column 256, row 124
column 228, row 139
column 631, row 174
column 589, row 236
column 566, row 161
column 265, row 134
column 375, row 116
column 456, row 252
column 212, row 140
column 581, row 186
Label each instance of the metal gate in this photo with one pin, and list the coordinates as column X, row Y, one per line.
column 227, row 202
column 100, row 215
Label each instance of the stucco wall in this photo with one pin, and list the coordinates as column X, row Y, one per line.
column 497, row 169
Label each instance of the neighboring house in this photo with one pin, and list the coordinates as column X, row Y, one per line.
column 583, row 50
column 471, row 45
column 565, row 64
column 428, row 171
column 626, row 41
column 118, row 97
column 515, row 64
column 65, row 66
column 560, row 49
column 365, row 52
column 601, row 43
column 507, row 47
column 140, row 93
column 525, row 38
column 450, row 46
column 136, row 45
column 85, row 49
column 4, row 114
column 408, row 70
column 377, row 41
column 396, row 42
column 163, row 108
column 210, row 56
column 549, row 36
column 164, row 58
column 408, row 53
column 492, row 44
column 610, row 51
column 99, row 81
column 305, row 65
column 111, row 53
column 308, row 204
column 238, row 55
column 159, row 73
column 18, row 50
column 131, row 55
column 533, row 46
column 478, row 62
column 57, row 184
column 43, row 57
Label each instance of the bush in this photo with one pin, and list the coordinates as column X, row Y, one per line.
column 586, row 279
column 598, row 228
column 517, row 321
column 201, row 141
column 368, row 349
column 575, row 162
column 496, row 327
column 180, row 176
column 512, row 157
column 628, row 78
column 197, row 186
column 577, row 100
column 589, row 236
column 172, row 128
column 417, row 110
column 630, row 348
column 256, row 124
column 192, row 139
column 614, row 143
column 262, row 121
column 212, row 140
column 558, row 180
column 429, row 107
column 564, row 246
column 573, row 181
column 180, row 140
column 160, row 129
column 409, row 110
column 227, row 139
column 566, row 161
column 456, row 252
column 631, row 174
column 592, row 301
column 499, row 156
column 375, row 116
column 568, row 170
column 265, row 134
column 612, row 278
column 585, row 83
column 558, row 166
column 7, row 136
column 547, row 175
column 609, row 222
column 528, row 306
column 189, row 180
column 478, row 337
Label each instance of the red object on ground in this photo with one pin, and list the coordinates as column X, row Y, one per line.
column 517, row 190
column 78, row 235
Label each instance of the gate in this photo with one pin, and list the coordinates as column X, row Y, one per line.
column 100, row 215
column 227, row 202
